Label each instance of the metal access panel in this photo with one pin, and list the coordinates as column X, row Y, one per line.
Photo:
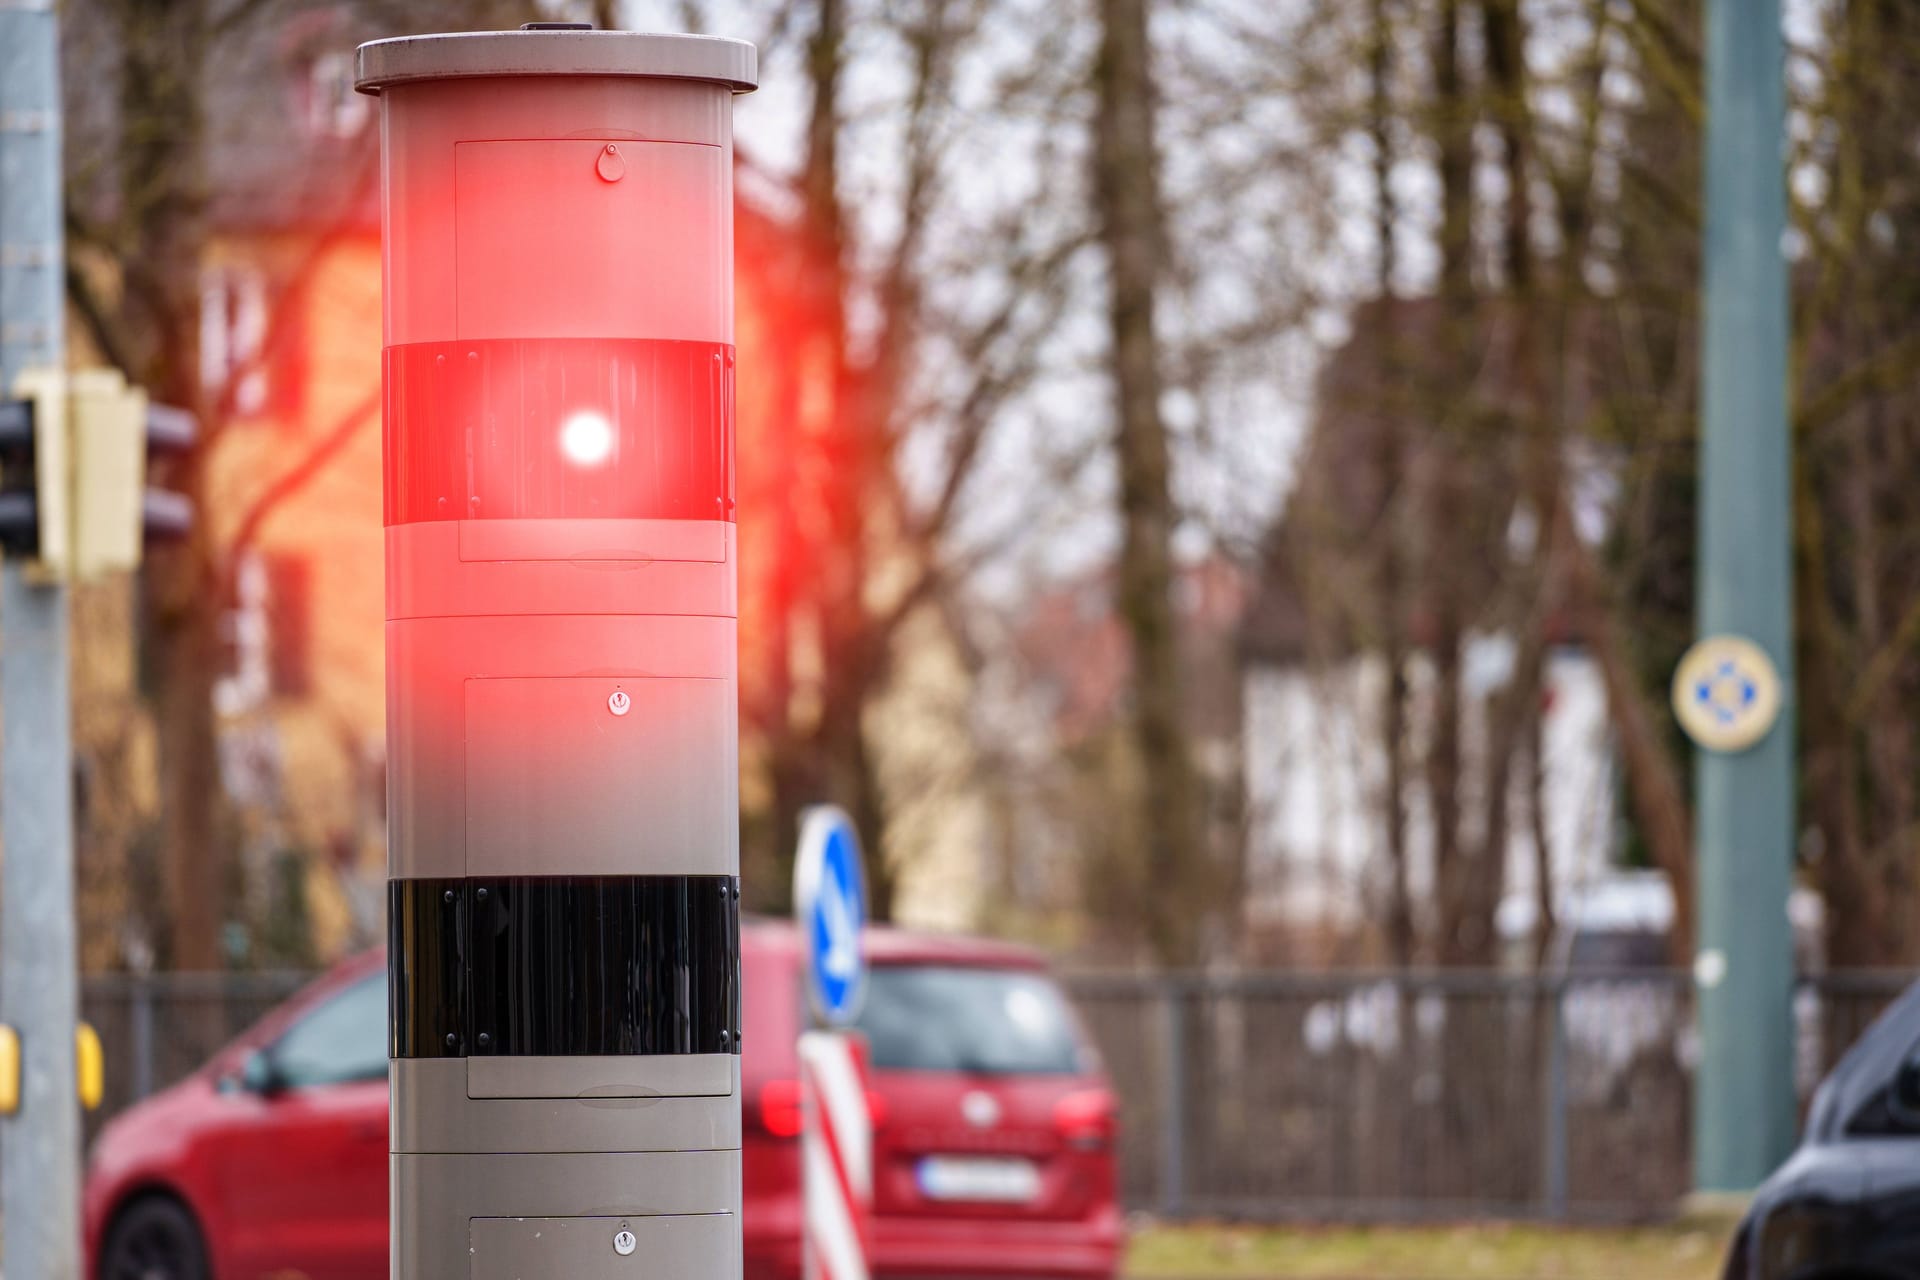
column 604, row 1248
column 481, row 1215
column 649, row 254
column 612, row 788
column 562, row 724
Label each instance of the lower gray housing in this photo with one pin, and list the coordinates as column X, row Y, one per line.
column 680, row 1102
column 532, row 1168
column 558, row 1217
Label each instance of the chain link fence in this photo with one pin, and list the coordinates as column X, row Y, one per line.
column 1287, row 1095
column 1401, row 1096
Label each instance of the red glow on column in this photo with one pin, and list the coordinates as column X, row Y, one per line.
column 565, row 428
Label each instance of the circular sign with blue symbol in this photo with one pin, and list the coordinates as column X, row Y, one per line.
column 830, row 906
column 1726, row 693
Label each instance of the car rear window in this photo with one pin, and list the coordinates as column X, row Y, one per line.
column 982, row 1021
column 340, row 1040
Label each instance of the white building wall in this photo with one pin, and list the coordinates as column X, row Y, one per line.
column 1316, row 783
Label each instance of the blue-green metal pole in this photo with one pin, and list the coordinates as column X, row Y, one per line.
column 1743, row 1095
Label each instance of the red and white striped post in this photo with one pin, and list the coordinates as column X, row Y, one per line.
column 836, row 1156
column 836, row 1126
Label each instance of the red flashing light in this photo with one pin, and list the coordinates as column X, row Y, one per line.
column 587, row 438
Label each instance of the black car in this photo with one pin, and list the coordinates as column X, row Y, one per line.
column 1847, row 1202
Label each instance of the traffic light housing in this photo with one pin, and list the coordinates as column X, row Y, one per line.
column 73, row 470
column 33, row 470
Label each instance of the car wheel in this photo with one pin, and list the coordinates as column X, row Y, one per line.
column 154, row 1239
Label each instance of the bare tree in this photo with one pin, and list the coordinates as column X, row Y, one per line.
column 1128, row 195
column 139, row 211
column 875, row 351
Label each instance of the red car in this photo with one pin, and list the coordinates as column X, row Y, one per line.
column 990, row 1107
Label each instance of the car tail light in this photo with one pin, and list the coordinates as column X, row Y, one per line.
column 1086, row 1120
column 780, row 1108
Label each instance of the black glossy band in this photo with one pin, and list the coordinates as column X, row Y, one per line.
column 563, row 965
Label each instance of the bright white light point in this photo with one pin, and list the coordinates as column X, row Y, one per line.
column 587, row 438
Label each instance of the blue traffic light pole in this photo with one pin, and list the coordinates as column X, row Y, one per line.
column 1744, row 1096
column 40, row 1143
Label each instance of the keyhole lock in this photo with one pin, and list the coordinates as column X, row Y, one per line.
column 619, row 703
column 624, row 1242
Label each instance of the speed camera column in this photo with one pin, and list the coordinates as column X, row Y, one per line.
column 562, row 743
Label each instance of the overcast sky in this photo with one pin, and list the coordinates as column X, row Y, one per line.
column 1044, row 469
column 1266, row 223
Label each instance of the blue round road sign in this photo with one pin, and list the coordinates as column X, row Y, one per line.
column 830, row 906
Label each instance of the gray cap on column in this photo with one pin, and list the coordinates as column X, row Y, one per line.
column 558, row 50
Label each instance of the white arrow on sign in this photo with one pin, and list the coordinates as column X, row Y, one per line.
column 842, row 960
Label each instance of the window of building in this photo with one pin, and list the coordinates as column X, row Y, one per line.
column 267, row 633
column 334, row 110
column 289, row 606
column 233, row 334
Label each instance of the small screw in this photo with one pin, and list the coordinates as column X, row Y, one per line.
column 452, row 1040
column 725, row 1039
column 485, row 1039
column 480, row 894
column 447, row 896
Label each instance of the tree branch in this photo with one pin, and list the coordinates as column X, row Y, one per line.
column 242, row 12
column 279, row 329
column 297, row 477
column 1882, row 667
column 991, row 386
column 1888, row 369
column 93, row 314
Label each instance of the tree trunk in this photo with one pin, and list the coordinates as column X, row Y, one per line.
column 1394, row 654
column 1127, row 188
column 162, row 158
column 1546, row 922
column 1443, row 589
column 195, row 874
column 820, row 753
column 1652, row 773
column 1482, row 869
column 1506, row 75
column 1454, row 128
